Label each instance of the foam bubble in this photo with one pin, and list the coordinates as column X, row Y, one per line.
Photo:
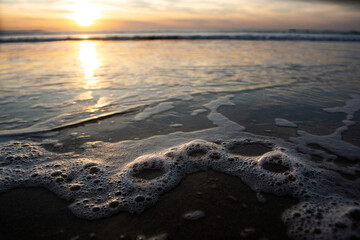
column 333, row 142
column 217, row 118
column 148, row 112
column 281, row 122
column 197, row 111
column 162, row 236
column 350, row 107
column 194, row 215
column 176, row 125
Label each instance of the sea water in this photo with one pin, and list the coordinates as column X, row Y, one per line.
column 88, row 117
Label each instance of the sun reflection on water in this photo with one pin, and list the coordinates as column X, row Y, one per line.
column 89, row 61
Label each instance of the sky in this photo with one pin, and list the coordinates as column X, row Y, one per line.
column 95, row 15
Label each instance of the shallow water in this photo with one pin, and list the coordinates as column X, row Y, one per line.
column 51, row 84
column 86, row 119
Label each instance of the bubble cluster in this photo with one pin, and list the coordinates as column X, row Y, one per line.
column 100, row 188
column 328, row 217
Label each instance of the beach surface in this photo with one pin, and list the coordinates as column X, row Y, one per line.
column 180, row 139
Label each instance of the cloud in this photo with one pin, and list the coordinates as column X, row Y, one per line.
column 354, row 3
column 337, row 1
column 200, row 13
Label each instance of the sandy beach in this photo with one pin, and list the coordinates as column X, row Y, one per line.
column 231, row 211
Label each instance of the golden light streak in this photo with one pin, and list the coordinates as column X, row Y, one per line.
column 89, row 61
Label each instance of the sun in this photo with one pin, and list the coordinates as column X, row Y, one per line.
column 84, row 13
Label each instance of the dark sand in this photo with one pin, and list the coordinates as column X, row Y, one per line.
column 231, row 209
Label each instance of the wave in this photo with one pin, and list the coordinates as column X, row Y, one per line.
column 54, row 124
column 146, row 36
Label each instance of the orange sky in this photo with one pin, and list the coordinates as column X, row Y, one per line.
column 69, row 15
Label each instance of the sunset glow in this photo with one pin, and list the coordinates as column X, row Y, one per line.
column 95, row 15
column 84, row 14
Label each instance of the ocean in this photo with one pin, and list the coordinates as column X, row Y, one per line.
column 112, row 122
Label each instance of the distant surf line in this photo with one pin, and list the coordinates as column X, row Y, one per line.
column 242, row 37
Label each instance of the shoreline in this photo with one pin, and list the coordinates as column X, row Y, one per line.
column 232, row 210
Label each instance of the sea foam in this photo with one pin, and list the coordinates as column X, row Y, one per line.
column 148, row 112
column 281, row 122
column 107, row 178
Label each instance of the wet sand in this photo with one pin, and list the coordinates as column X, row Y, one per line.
column 231, row 208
